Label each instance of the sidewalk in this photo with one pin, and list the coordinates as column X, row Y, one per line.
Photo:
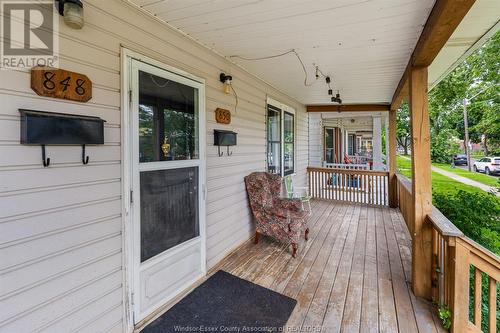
column 464, row 180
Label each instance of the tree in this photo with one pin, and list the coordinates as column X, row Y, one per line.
column 479, row 73
column 403, row 136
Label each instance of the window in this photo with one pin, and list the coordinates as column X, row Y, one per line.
column 273, row 139
column 329, row 145
column 351, row 147
column 288, row 138
column 168, row 117
column 366, row 147
column 280, row 138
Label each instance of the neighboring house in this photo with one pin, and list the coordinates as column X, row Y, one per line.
column 474, row 147
column 351, row 137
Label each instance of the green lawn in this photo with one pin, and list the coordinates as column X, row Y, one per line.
column 478, row 177
column 440, row 183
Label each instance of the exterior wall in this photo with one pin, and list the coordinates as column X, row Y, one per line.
column 315, row 140
column 61, row 242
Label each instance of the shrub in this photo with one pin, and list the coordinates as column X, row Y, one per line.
column 477, row 214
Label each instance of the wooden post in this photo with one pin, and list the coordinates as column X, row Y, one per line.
column 421, row 183
column 393, row 195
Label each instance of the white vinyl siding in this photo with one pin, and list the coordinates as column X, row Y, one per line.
column 61, row 240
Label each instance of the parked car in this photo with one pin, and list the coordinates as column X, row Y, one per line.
column 488, row 165
column 460, row 159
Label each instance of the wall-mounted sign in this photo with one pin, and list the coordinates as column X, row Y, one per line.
column 59, row 83
column 223, row 116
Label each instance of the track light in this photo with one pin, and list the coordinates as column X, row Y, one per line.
column 337, row 98
column 330, row 92
column 226, row 80
column 327, row 79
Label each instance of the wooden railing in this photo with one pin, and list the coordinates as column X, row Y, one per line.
column 351, row 166
column 457, row 264
column 360, row 186
column 405, row 201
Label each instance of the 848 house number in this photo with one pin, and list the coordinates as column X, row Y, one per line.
column 59, row 83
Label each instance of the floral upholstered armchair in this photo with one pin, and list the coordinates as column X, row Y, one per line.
column 280, row 218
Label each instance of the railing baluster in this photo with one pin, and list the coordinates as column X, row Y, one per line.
column 435, row 264
column 325, row 186
column 478, row 279
column 344, row 194
column 492, row 320
column 336, row 183
column 349, row 188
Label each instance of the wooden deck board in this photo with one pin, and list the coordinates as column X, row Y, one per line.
column 352, row 275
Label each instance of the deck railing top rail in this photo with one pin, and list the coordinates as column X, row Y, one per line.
column 442, row 224
column 348, row 171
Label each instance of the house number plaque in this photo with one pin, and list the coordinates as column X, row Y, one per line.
column 59, row 83
column 222, row 116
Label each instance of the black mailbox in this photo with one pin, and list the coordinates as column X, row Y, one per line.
column 50, row 128
column 224, row 138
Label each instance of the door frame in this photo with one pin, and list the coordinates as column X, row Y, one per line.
column 130, row 275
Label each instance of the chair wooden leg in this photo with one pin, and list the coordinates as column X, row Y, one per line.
column 307, row 234
column 294, row 248
column 257, row 236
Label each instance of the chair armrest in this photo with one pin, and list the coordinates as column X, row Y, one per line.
column 289, row 204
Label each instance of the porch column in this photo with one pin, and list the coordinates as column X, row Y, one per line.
column 421, row 182
column 377, row 143
column 391, row 153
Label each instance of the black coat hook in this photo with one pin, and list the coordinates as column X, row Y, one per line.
column 85, row 159
column 229, row 153
column 46, row 161
column 220, row 153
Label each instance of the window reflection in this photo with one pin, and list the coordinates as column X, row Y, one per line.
column 273, row 139
column 168, row 120
column 289, row 143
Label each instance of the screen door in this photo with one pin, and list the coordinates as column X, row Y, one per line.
column 167, row 183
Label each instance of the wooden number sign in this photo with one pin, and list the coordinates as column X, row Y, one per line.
column 223, row 116
column 59, row 83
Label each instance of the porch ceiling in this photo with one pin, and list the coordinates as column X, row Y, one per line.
column 364, row 45
column 480, row 23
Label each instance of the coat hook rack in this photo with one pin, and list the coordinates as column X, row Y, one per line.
column 46, row 161
column 85, row 159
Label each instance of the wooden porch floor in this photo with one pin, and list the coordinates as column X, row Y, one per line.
column 351, row 276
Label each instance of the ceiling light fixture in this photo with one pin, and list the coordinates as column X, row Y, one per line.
column 72, row 10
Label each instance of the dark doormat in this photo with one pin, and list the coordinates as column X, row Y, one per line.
column 226, row 303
